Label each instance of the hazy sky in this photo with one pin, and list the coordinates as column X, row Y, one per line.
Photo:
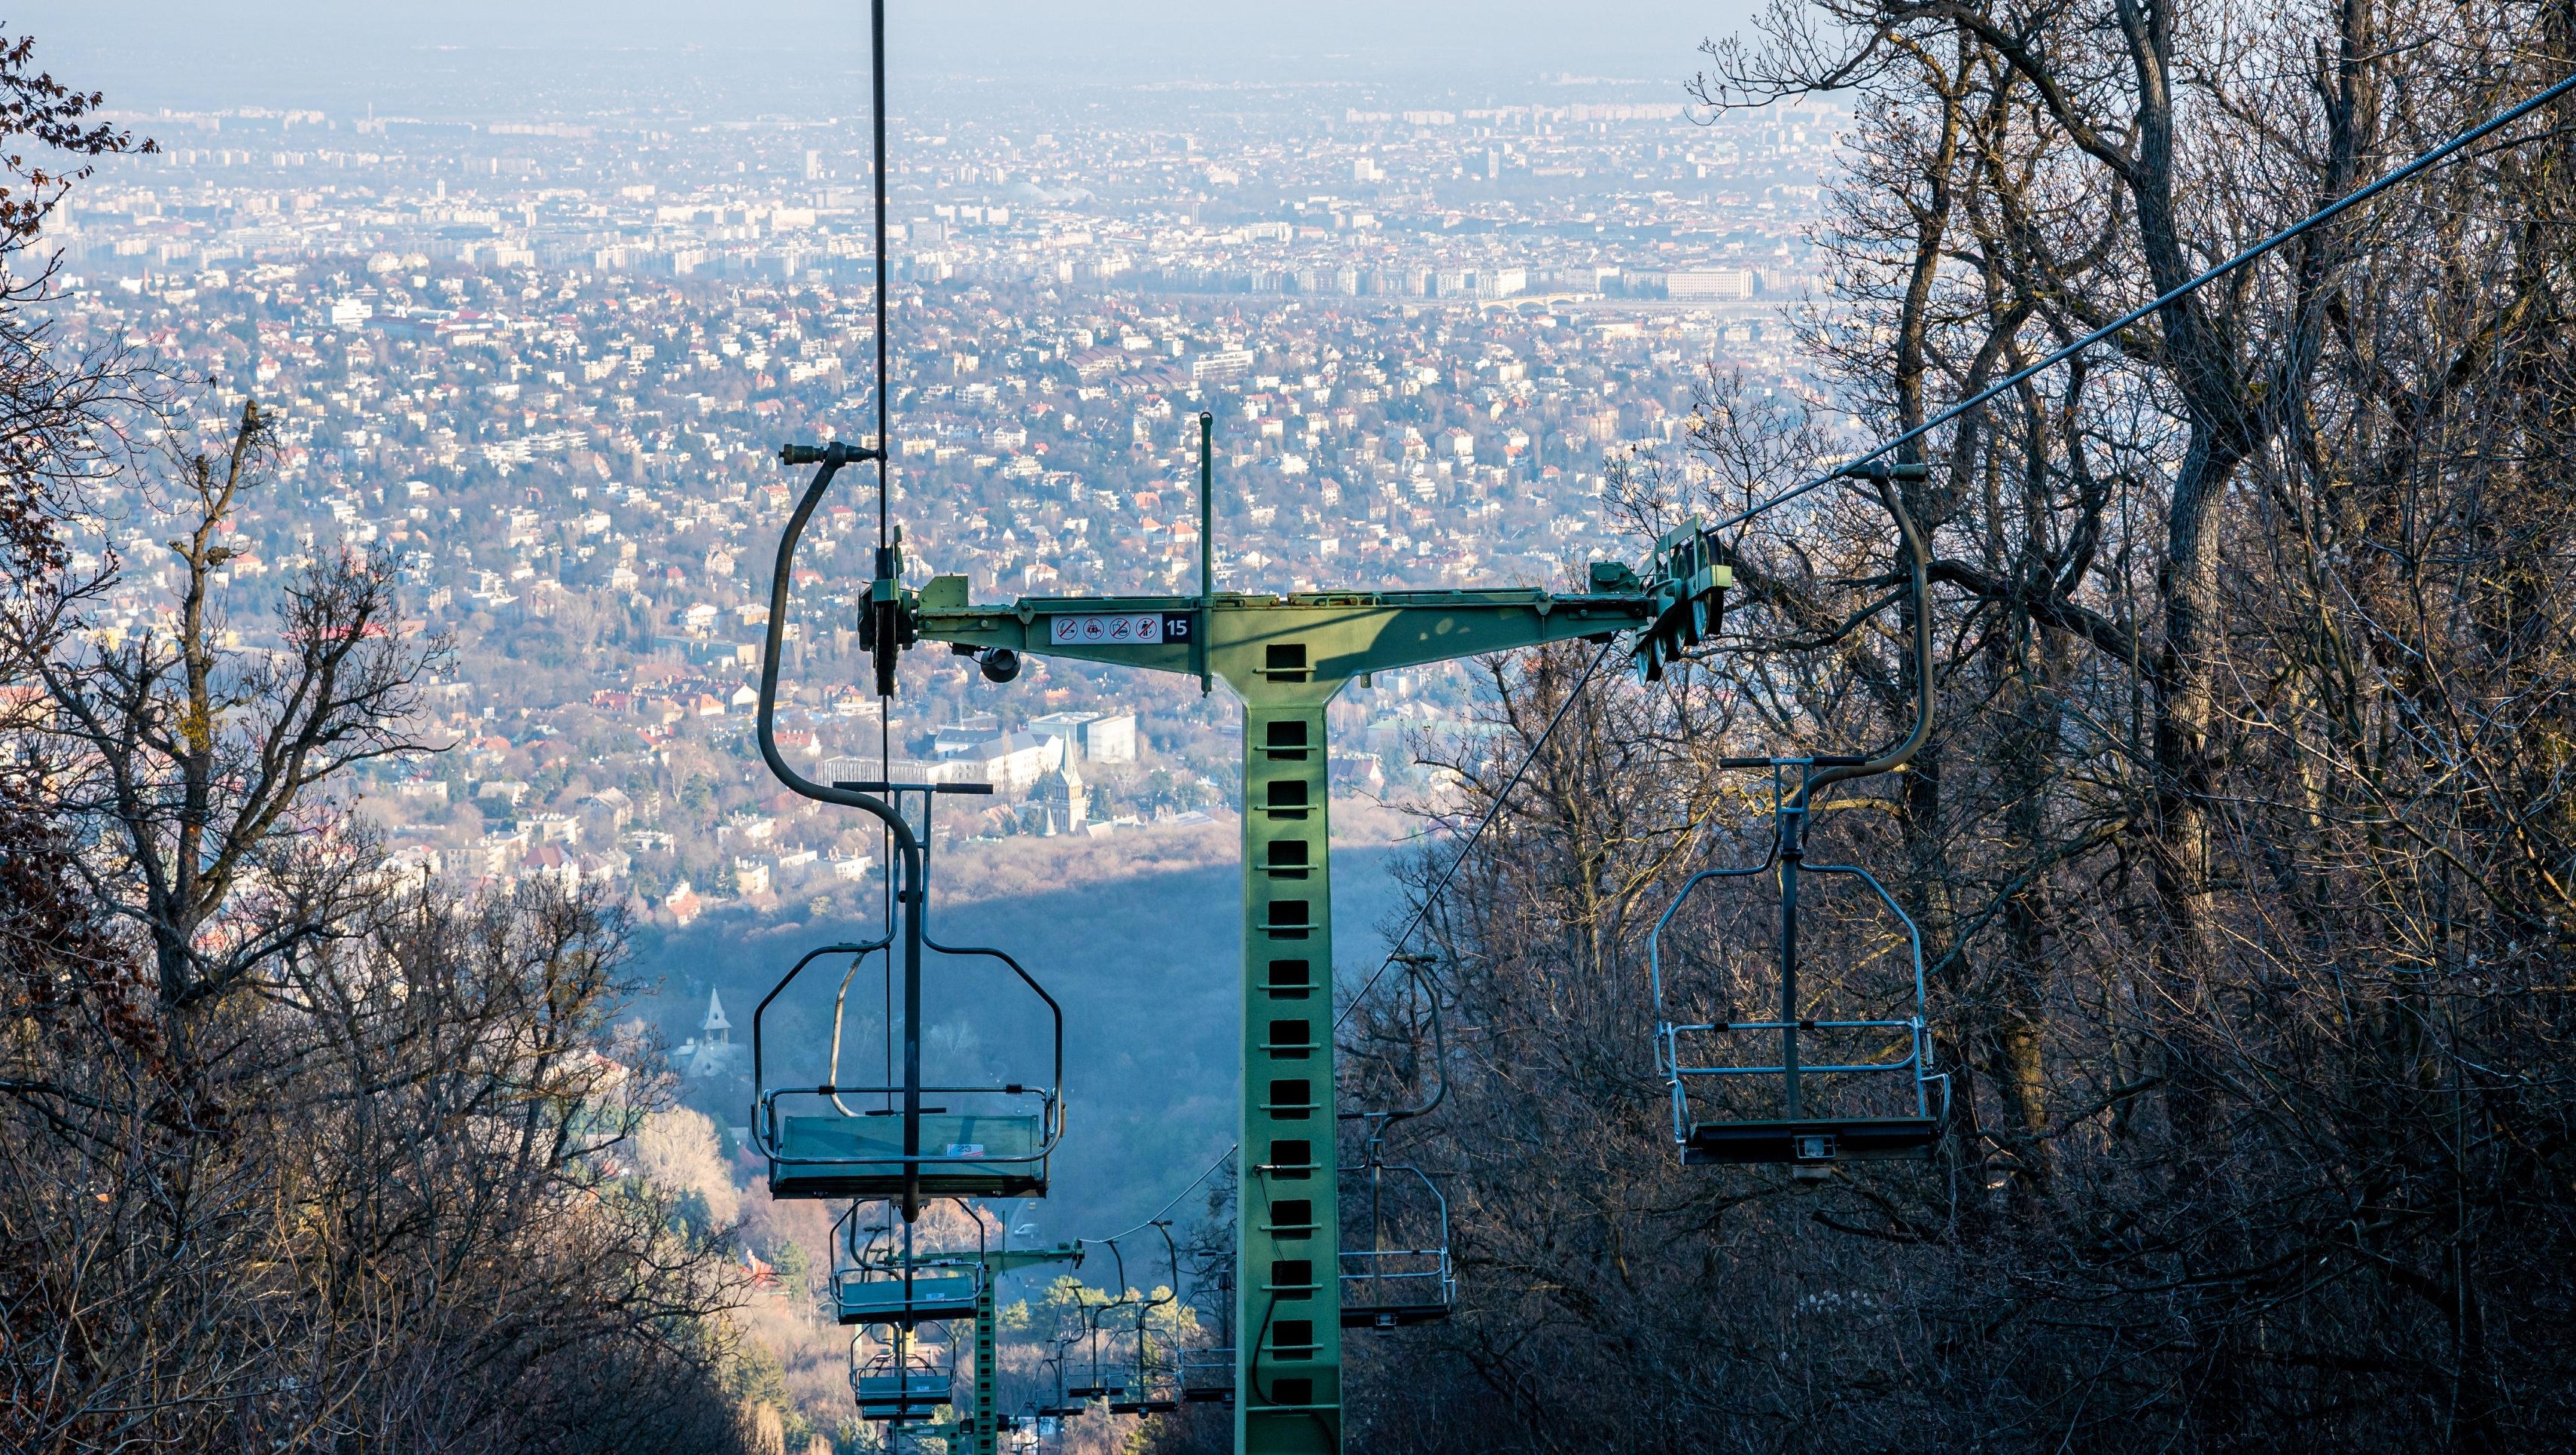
column 335, row 53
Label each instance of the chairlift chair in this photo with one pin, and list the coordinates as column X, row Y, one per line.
column 1105, row 1383
column 899, row 1136
column 848, row 1138
column 1065, row 1405
column 1395, row 1270
column 873, row 1283
column 1155, row 1389
column 901, row 1384
column 1692, row 1053
column 1402, row 1276
column 1207, row 1375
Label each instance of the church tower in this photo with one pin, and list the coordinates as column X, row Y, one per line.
column 1063, row 799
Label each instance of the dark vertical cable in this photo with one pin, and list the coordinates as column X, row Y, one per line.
column 885, row 705
column 877, row 78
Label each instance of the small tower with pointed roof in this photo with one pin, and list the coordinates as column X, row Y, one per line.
column 1063, row 799
column 713, row 1053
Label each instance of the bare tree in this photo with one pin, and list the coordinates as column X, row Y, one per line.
column 2239, row 847
column 200, row 763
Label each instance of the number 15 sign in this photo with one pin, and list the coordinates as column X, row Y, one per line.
column 1141, row 627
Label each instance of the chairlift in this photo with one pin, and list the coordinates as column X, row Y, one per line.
column 1108, row 1384
column 895, row 1136
column 1395, row 1267
column 1689, row 600
column 1812, row 1132
column 1065, row 1405
column 1156, row 1387
column 875, row 1282
column 1403, row 1276
column 900, row 1383
column 1207, row 1375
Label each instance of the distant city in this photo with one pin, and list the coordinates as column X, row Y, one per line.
column 544, row 363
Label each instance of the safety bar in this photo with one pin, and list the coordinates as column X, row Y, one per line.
column 1372, row 1274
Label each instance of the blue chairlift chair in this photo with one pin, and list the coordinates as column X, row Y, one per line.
column 896, row 1136
column 1105, row 1381
column 875, row 1282
column 1401, row 1275
column 1395, row 1270
column 1155, row 1389
column 1873, row 1051
column 900, row 1382
column 1064, row 1405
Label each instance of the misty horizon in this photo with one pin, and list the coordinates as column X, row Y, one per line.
column 475, row 58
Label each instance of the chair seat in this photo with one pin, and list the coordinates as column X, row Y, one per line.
column 931, row 1299
column 1207, row 1375
column 862, row 1156
column 1842, row 1139
column 1392, row 1315
column 890, row 1396
column 896, row 1412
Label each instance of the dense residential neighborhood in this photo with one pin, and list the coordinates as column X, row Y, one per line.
column 546, row 365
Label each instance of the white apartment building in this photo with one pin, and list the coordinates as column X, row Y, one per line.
column 1097, row 737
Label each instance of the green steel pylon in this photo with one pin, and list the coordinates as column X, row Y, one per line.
column 976, row 1429
column 1286, row 657
column 985, row 1432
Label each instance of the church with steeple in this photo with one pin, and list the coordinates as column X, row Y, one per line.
column 712, row 1053
column 1062, row 800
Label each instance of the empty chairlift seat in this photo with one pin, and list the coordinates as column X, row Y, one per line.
column 1395, row 1288
column 931, row 1295
column 829, row 1153
column 1807, row 1092
column 1809, row 1140
column 899, row 1386
column 840, row 1135
column 1800, row 1087
column 1395, row 1269
column 1207, row 1375
column 899, row 1398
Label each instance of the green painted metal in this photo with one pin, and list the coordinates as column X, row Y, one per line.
column 1287, row 657
column 976, row 1428
column 1287, row 1372
column 982, row 1432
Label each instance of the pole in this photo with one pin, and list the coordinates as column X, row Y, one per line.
column 1287, row 1321
column 981, row 1438
column 877, row 81
column 1793, row 853
column 915, row 902
column 1207, row 549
